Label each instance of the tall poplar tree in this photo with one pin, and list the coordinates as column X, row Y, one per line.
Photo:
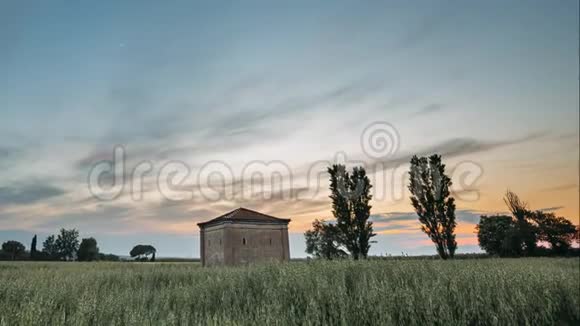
column 429, row 186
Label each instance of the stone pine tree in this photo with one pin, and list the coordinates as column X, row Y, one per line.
column 33, row 248
column 430, row 196
column 141, row 252
column 350, row 195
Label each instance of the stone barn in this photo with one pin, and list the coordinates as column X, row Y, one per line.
column 243, row 236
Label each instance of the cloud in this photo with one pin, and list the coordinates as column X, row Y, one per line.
column 469, row 216
column 551, row 209
column 462, row 146
column 397, row 227
column 568, row 186
column 462, row 215
column 100, row 218
column 181, row 132
column 28, row 194
column 7, row 151
column 423, row 30
column 7, row 154
column 459, row 147
column 429, row 109
column 394, row 216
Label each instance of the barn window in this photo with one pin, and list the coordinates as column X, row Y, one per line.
column 244, row 241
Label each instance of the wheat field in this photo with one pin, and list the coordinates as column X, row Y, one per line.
column 538, row 291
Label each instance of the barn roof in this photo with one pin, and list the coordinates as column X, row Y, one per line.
column 245, row 215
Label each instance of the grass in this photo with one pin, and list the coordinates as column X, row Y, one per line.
column 539, row 291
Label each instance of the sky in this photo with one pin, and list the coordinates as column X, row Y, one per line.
column 226, row 104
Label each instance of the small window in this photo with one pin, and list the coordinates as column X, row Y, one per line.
column 270, row 241
column 220, row 242
column 244, row 241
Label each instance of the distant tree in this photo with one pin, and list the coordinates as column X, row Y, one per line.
column 350, row 195
column 33, row 248
column 13, row 248
column 67, row 244
column 49, row 247
column 496, row 235
column 108, row 257
column 324, row 241
column 525, row 238
column 141, row 252
column 429, row 187
column 557, row 231
column 88, row 250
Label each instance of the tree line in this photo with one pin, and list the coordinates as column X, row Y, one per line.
column 525, row 232
column 349, row 234
column 65, row 246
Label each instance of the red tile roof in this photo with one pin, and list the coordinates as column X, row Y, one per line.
column 244, row 215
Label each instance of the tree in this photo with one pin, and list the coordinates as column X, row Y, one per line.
column 431, row 199
column 49, row 247
column 142, row 252
column 13, row 248
column 33, row 248
column 88, row 250
column 323, row 241
column 108, row 257
column 350, row 195
column 558, row 231
column 495, row 235
column 67, row 244
column 520, row 233
column 525, row 238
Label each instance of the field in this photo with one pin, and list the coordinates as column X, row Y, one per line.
column 412, row 291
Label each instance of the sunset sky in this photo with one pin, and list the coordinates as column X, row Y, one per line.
column 492, row 86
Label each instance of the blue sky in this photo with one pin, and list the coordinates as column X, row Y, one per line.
column 492, row 83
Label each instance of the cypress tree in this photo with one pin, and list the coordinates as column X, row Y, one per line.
column 33, row 248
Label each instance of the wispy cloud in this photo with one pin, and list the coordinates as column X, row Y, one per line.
column 462, row 215
column 394, row 217
column 551, row 209
column 28, row 193
column 563, row 187
column 462, row 146
column 429, row 109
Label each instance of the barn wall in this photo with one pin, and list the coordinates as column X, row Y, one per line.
column 262, row 243
column 242, row 243
column 213, row 245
